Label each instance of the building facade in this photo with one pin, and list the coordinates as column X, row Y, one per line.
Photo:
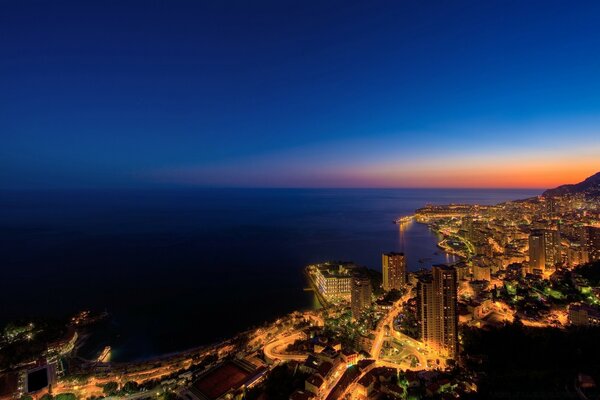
column 394, row 271
column 437, row 310
column 593, row 242
column 544, row 250
column 334, row 281
column 584, row 315
column 361, row 295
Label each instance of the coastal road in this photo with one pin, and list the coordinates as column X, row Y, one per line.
column 275, row 350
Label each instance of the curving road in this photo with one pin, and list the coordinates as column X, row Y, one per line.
column 411, row 346
column 275, row 350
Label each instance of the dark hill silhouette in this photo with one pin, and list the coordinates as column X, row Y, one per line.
column 590, row 186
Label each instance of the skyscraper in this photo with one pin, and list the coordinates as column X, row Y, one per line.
column 593, row 242
column 361, row 294
column 537, row 257
column 552, row 248
column 437, row 309
column 544, row 249
column 394, row 271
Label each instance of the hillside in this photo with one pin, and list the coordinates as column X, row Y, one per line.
column 590, row 186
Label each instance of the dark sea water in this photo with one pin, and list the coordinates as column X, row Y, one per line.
column 181, row 268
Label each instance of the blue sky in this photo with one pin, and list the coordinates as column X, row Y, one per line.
column 282, row 93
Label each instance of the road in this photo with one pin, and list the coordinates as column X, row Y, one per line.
column 331, row 381
column 409, row 345
column 164, row 366
column 275, row 350
column 413, row 347
column 387, row 321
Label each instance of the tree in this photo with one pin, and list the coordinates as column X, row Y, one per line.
column 65, row 396
column 110, row 388
column 169, row 396
column 130, row 387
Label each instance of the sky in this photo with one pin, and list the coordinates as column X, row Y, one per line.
column 161, row 93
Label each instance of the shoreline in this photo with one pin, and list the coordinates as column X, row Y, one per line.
column 323, row 303
column 313, row 287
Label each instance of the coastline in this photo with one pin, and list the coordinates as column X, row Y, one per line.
column 324, row 304
column 344, row 224
column 313, row 287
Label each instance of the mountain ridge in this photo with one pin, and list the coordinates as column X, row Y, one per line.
column 589, row 186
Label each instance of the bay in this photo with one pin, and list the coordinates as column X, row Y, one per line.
column 179, row 268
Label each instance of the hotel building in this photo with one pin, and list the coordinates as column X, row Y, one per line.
column 334, row 281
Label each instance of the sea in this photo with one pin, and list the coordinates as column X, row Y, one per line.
column 180, row 268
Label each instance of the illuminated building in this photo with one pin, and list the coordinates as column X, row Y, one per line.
column 462, row 271
column 361, row 294
column 584, row 315
column 349, row 357
column 544, row 249
column 551, row 206
column 593, row 242
column 577, row 254
column 394, row 271
column 467, row 227
column 334, row 281
column 536, row 252
column 313, row 384
column 552, row 248
column 437, row 309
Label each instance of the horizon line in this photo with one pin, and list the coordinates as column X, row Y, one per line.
column 169, row 187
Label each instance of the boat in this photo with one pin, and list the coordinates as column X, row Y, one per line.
column 403, row 220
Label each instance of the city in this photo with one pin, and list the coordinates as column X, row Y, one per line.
column 299, row 200
column 398, row 334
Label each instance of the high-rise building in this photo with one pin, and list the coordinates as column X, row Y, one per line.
column 437, row 309
column 577, row 255
column 394, row 271
column 544, row 249
column 537, row 258
column 551, row 206
column 593, row 242
column 467, row 227
column 552, row 248
column 361, row 294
